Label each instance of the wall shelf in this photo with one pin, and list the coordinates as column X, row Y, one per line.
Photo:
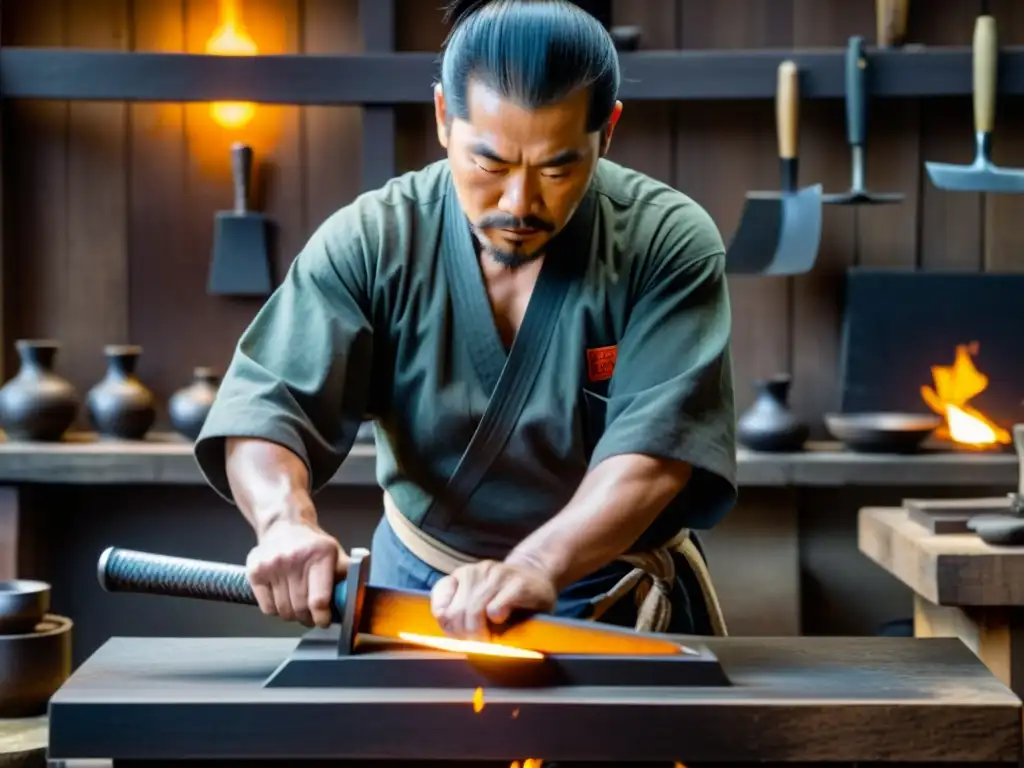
column 388, row 78
column 166, row 459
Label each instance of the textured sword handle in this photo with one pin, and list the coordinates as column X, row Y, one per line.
column 125, row 570
column 985, row 65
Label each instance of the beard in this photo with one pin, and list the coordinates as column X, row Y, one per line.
column 510, row 257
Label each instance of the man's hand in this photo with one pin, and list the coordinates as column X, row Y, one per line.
column 470, row 599
column 293, row 571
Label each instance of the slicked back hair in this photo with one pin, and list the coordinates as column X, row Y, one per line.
column 530, row 52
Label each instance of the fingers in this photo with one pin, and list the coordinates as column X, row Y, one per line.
column 298, row 595
column 477, row 597
column 441, row 596
column 293, row 576
column 500, row 607
column 459, row 601
column 282, row 599
column 321, row 579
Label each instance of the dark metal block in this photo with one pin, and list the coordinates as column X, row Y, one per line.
column 316, row 663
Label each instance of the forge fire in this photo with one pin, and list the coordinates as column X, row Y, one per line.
column 954, row 387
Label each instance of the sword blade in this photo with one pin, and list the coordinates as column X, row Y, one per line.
column 389, row 613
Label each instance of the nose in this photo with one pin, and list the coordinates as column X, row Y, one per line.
column 519, row 195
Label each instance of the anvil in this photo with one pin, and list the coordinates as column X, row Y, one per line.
column 531, row 647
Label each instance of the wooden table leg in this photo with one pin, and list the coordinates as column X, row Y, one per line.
column 996, row 635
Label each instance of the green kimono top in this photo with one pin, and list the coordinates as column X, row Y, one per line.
column 384, row 316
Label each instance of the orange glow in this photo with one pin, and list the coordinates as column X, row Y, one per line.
column 470, row 647
column 231, row 39
column 530, row 762
column 478, row 700
column 955, row 386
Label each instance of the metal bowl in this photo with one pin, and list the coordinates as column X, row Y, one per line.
column 23, row 603
column 881, row 432
column 33, row 666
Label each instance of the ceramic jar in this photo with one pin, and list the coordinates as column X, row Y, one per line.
column 189, row 406
column 121, row 406
column 37, row 404
column 769, row 425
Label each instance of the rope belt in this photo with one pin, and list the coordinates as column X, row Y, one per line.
column 651, row 580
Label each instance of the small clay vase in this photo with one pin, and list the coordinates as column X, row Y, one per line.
column 37, row 404
column 768, row 425
column 189, row 406
column 121, row 406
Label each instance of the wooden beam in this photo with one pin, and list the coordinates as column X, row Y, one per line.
column 165, row 458
column 405, row 78
column 380, row 134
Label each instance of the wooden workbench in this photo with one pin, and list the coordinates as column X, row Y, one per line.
column 792, row 699
column 963, row 587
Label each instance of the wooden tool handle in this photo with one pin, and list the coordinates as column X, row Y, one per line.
column 856, row 92
column 787, row 109
column 891, row 22
column 986, row 58
column 241, row 174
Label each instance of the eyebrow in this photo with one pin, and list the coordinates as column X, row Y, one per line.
column 556, row 161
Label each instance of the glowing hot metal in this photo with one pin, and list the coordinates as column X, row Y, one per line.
column 469, row 647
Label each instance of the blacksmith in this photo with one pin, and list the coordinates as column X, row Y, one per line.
column 541, row 339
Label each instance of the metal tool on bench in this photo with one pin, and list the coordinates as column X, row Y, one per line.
column 997, row 520
column 364, row 648
column 779, row 232
column 981, row 175
column 857, row 69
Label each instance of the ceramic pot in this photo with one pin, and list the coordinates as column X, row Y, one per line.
column 37, row 404
column 188, row 407
column 121, row 406
column 769, row 425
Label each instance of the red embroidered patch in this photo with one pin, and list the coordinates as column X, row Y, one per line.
column 601, row 362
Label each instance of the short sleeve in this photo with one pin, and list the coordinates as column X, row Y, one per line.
column 299, row 375
column 671, row 393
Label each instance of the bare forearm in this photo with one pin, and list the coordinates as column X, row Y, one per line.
column 269, row 483
column 613, row 506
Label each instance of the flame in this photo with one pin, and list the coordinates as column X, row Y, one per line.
column 471, row 647
column 231, row 39
column 955, row 386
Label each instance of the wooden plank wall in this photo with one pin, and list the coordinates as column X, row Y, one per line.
column 110, row 206
column 109, row 210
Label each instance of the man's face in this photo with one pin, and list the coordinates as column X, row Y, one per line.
column 519, row 174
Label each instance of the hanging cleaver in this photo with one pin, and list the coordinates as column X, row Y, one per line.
column 364, row 609
column 779, row 232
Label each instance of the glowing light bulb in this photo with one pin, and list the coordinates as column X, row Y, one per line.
column 231, row 39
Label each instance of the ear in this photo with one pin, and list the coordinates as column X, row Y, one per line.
column 441, row 116
column 613, row 120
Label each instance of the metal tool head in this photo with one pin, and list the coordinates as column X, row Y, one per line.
column 979, row 176
column 861, row 197
column 348, row 597
column 779, row 233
